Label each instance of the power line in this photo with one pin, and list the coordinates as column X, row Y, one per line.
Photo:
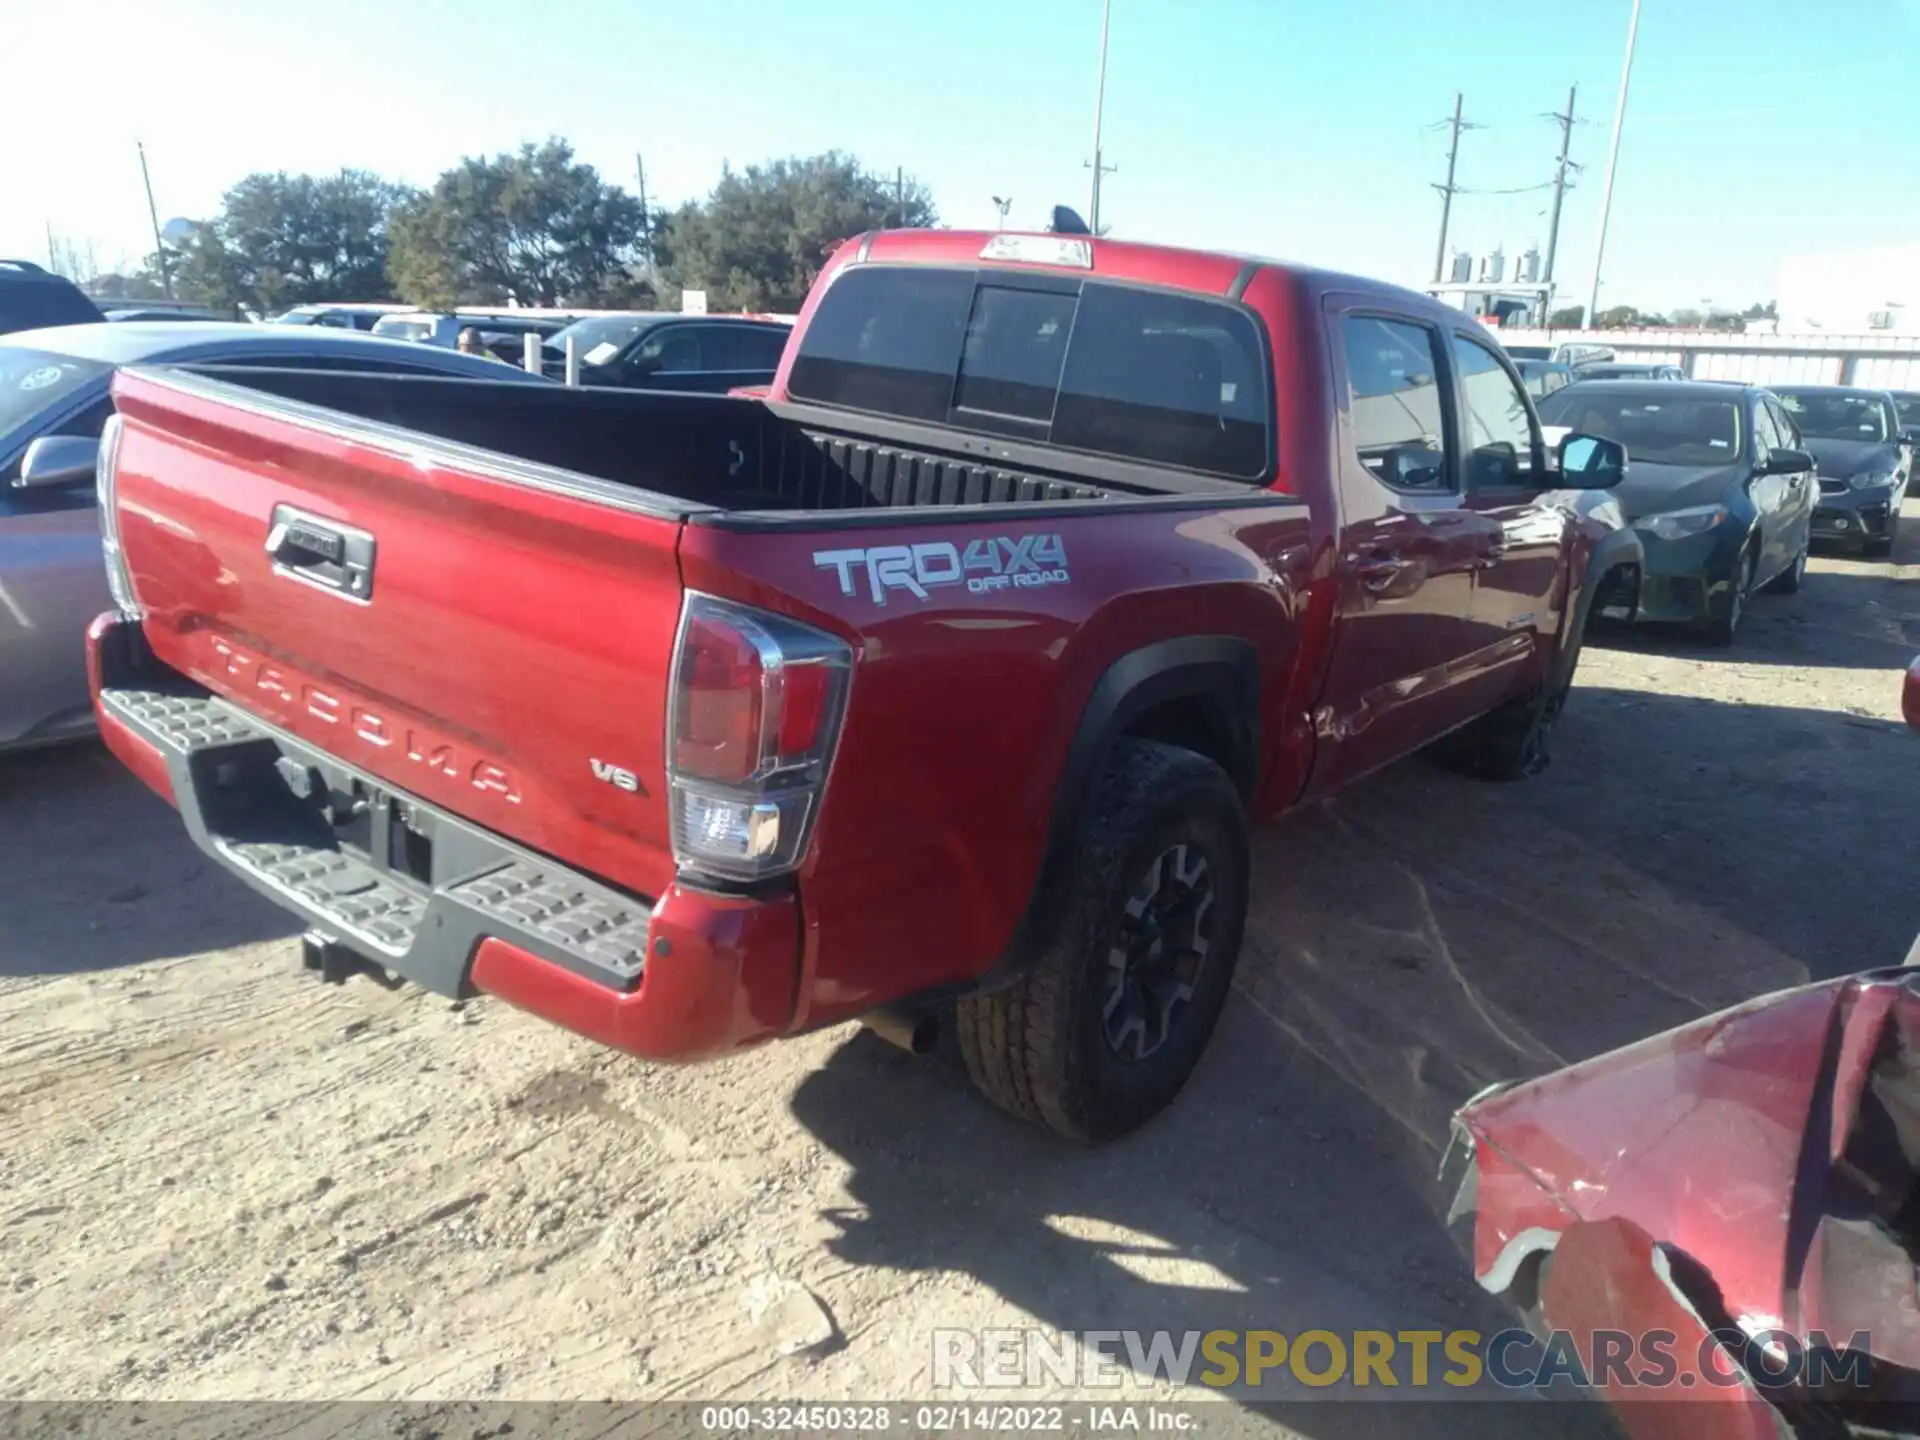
column 1515, row 190
column 1449, row 190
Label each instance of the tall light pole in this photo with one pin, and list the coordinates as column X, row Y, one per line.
column 1003, row 204
column 1613, row 162
column 1099, row 106
column 159, row 245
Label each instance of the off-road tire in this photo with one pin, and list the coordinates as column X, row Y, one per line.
column 1039, row 1048
column 1528, row 1293
column 1722, row 629
column 1511, row 743
column 1787, row 582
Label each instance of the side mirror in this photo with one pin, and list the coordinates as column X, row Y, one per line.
column 1587, row 462
column 1910, row 436
column 55, row 460
column 1788, row 462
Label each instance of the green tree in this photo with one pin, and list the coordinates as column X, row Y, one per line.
column 1767, row 311
column 536, row 227
column 1568, row 317
column 283, row 240
column 1688, row 318
column 759, row 240
column 1619, row 317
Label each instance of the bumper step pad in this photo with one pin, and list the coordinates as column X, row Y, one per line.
column 239, row 809
column 349, row 891
column 182, row 722
column 611, row 931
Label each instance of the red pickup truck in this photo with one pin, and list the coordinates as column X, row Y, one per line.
column 949, row 671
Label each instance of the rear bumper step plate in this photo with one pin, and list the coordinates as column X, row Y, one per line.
column 408, row 886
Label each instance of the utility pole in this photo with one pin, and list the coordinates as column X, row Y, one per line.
column 1560, row 182
column 1561, row 172
column 900, row 193
column 159, row 245
column 1613, row 162
column 646, row 216
column 1448, row 190
column 1001, row 203
column 53, row 254
column 1100, row 168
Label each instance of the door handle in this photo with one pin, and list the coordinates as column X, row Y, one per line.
column 1378, row 572
column 1491, row 554
column 321, row 552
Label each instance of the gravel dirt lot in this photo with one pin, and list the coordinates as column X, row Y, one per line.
column 220, row 1179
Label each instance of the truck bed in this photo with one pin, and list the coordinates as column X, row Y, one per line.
column 711, row 453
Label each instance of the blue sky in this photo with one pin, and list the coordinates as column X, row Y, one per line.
column 1285, row 127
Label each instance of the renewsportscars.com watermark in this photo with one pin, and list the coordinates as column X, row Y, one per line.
column 1244, row 1362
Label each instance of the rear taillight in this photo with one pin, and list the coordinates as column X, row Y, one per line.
column 119, row 582
column 754, row 712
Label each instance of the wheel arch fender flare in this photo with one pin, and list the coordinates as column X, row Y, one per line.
column 1220, row 673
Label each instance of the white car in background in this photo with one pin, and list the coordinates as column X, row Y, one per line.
column 427, row 327
column 334, row 317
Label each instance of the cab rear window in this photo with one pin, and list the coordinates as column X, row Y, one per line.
column 1137, row 374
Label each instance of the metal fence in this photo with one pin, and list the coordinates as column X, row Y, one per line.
column 1891, row 362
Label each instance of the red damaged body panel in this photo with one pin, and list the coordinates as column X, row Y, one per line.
column 1770, row 1155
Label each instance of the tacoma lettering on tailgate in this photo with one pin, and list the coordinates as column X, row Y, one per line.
column 987, row 564
column 362, row 727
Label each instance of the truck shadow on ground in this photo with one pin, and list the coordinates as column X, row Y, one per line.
column 1408, row 943
column 98, row 872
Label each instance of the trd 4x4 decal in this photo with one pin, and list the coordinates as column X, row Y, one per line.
column 987, row 564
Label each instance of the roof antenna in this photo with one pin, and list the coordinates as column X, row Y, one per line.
column 1067, row 221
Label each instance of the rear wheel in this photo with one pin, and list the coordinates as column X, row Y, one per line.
column 1134, row 963
column 1722, row 629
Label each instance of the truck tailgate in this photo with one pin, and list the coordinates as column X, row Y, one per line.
column 490, row 637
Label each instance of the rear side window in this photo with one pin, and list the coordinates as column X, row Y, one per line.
column 1165, row 378
column 1138, row 374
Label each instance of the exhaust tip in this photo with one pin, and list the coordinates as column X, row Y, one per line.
column 915, row 1033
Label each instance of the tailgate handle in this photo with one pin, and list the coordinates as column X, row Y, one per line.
column 321, row 552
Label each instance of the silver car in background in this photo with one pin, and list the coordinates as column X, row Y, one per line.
column 53, row 403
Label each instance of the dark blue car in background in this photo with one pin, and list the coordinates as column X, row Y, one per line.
column 1865, row 456
column 1717, row 486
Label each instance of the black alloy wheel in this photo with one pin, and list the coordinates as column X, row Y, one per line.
column 1160, row 947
